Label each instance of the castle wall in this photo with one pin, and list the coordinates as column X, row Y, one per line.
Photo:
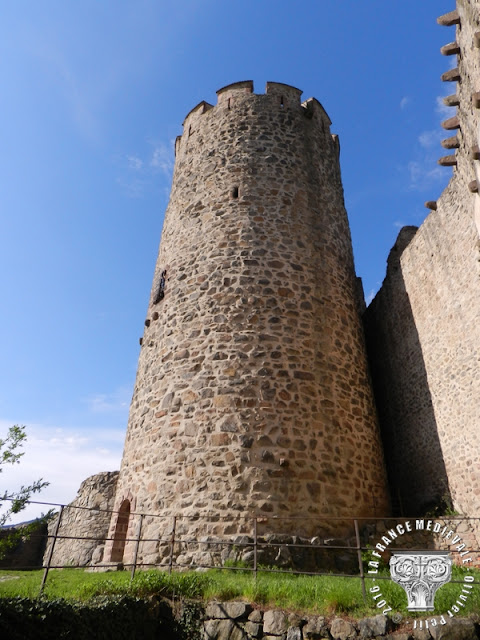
column 87, row 518
column 423, row 327
column 252, row 394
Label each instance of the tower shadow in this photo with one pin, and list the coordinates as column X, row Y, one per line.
column 415, row 466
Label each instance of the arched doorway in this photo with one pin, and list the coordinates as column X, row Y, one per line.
column 120, row 535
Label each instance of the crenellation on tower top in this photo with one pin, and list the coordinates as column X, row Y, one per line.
column 229, row 92
column 285, row 93
column 197, row 111
column 313, row 106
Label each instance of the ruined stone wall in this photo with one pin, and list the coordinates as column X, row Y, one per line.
column 252, row 392
column 84, row 523
column 423, row 327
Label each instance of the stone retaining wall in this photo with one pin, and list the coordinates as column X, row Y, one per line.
column 241, row 621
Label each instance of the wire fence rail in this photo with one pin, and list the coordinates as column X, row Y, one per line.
column 368, row 534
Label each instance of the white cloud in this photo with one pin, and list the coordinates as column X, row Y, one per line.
column 64, row 457
column 404, row 102
column 139, row 174
column 162, row 158
column 134, row 163
column 431, row 139
column 424, row 174
column 118, row 400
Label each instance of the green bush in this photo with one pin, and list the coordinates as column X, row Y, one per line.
column 113, row 618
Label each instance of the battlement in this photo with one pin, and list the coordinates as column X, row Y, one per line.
column 280, row 94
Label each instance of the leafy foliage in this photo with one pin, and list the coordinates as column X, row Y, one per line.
column 10, row 454
column 120, row 617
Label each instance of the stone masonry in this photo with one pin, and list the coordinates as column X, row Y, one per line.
column 423, row 327
column 84, row 523
column 253, row 397
column 252, row 394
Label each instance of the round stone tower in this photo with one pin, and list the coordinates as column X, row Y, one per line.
column 252, row 395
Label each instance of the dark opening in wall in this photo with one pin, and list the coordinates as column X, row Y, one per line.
column 161, row 287
column 120, row 535
column 281, row 101
column 234, row 192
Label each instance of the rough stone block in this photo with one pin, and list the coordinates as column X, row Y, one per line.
column 450, row 49
column 451, row 143
column 455, row 629
column 253, row 629
column 449, row 19
column 256, row 616
column 451, row 123
column 274, row 622
column 342, row 629
column 452, row 75
column 371, row 627
column 448, row 161
column 316, row 628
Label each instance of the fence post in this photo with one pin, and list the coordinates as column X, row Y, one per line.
column 50, row 552
column 360, row 561
column 255, row 570
column 172, row 544
column 137, row 544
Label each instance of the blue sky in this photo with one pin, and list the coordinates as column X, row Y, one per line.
column 93, row 95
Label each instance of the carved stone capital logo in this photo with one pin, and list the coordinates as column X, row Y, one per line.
column 420, row 574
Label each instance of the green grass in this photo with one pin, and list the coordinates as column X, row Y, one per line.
column 325, row 595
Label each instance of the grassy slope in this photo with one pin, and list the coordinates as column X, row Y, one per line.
column 321, row 594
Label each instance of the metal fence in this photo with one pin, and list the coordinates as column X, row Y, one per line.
column 368, row 534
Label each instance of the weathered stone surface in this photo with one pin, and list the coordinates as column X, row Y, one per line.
column 452, row 75
column 86, row 518
column 316, row 628
column 342, row 629
column 256, row 616
column 371, row 627
column 254, row 629
column 232, row 610
column 455, row 629
column 294, row 633
column 430, row 297
column 275, row 622
column 258, row 334
column 421, row 634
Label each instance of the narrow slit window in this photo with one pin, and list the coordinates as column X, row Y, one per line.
column 235, row 192
column 281, row 101
column 161, row 288
column 229, row 103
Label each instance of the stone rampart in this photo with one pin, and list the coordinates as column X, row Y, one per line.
column 84, row 523
column 423, row 327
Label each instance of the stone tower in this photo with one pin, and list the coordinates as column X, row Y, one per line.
column 252, row 395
